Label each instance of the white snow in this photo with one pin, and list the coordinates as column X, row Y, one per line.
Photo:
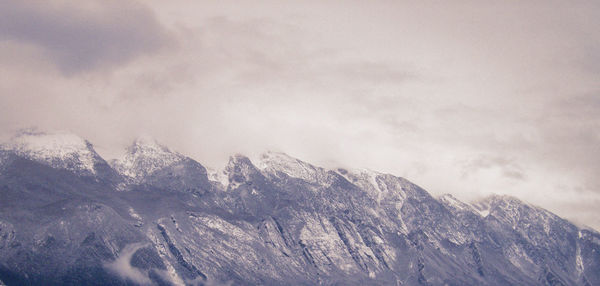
column 453, row 202
column 218, row 176
column 579, row 260
column 60, row 150
column 322, row 239
column 271, row 162
column 482, row 207
column 134, row 214
column 370, row 177
column 484, row 213
column 171, row 273
column 367, row 180
column 518, row 256
column 215, row 223
column 144, row 157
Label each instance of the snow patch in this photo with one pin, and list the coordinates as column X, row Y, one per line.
column 144, row 157
column 171, row 273
column 217, row 224
column 484, row 213
column 370, row 181
column 134, row 214
column 322, row 240
column 579, row 260
column 59, row 150
column 483, row 207
column 272, row 162
column 453, row 202
column 218, row 176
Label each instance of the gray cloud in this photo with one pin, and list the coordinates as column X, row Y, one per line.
column 83, row 35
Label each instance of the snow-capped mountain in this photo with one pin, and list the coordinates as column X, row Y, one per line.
column 273, row 163
column 273, row 221
column 150, row 163
column 144, row 157
column 59, row 150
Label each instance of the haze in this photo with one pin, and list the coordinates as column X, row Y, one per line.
column 468, row 98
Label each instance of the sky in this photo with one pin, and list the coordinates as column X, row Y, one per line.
column 469, row 97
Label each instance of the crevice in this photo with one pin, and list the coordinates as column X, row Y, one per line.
column 353, row 253
column 281, row 232
column 306, row 253
column 173, row 249
column 379, row 255
column 476, row 258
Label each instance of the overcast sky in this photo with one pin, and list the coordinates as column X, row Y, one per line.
column 468, row 98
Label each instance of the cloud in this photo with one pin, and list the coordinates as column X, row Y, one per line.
column 466, row 98
column 508, row 168
column 83, row 35
column 122, row 265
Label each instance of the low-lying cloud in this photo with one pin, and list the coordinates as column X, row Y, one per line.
column 122, row 265
column 465, row 98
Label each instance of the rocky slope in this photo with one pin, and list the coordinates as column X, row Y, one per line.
column 156, row 217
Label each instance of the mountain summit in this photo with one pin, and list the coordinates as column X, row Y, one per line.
column 156, row 217
column 144, row 157
column 61, row 150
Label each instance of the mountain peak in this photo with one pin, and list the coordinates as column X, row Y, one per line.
column 148, row 145
column 457, row 205
column 144, row 156
column 58, row 149
column 241, row 162
column 33, row 140
column 272, row 162
column 511, row 208
column 495, row 200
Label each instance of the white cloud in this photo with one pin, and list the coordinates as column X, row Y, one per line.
column 122, row 265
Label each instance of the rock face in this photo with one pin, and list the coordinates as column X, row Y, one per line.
column 156, row 217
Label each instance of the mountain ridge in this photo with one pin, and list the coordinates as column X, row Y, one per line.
column 276, row 221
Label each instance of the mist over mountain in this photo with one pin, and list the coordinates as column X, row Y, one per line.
column 158, row 217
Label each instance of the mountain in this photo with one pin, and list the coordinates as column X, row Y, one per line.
column 148, row 162
column 58, row 150
column 157, row 217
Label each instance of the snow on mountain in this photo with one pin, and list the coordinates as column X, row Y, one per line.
column 238, row 170
column 219, row 176
column 483, row 206
column 451, row 201
column 277, row 221
column 508, row 208
column 272, row 162
column 144, row 157
column 522, row 216
column 59, row 149
column 374, row 183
